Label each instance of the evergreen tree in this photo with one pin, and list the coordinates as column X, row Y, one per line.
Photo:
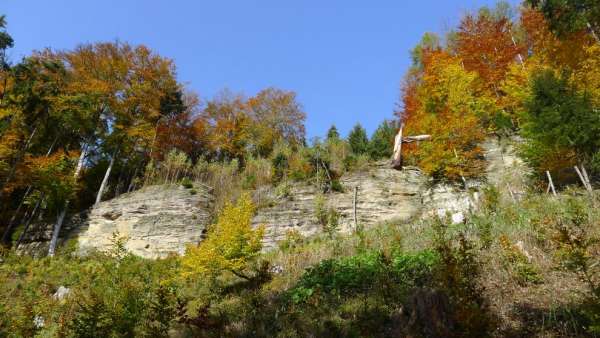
column 333, row 134
column 569, row 16
column 358, row 140
column 558, row 118
column 382, row 141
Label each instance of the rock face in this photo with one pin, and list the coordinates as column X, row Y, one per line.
column 388, row 195
column 155, row 221
column 383, row 194
column 159, row 220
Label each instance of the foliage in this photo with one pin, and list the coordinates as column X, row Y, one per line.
column 333, row 134
column 381, row 143
column 326, row 216
column 568, row 16
column 559, row 120
column 231, row 244
column 358, row 140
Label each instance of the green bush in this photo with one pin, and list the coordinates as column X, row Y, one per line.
column 187, row 183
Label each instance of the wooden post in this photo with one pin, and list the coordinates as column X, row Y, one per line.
column 551, row 183
column 582, row 177
column 354, row 208
column 587, row 178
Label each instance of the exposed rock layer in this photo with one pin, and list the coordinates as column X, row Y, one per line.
column 159, row 220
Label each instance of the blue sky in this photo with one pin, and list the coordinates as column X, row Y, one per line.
column 344, row 58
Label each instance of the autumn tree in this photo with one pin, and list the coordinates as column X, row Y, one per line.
column 231, row 244
column 228, row 125
column 6, row 42
column 448, row 106
column 276, row 117
column 485, row 45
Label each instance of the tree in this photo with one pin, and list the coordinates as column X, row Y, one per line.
column 443, row 100
column 277, row 117
column 231, row 244
column 570, row 16
column 381, row 144
column 228, row 124
column 559, row 121
column 485, row 45
column 6, row 41
column 332, row 133
column 429, row 42
column 358, row 140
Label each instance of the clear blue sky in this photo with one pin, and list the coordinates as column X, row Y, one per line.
column 344, row 58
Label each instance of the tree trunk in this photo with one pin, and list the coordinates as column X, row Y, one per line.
column 28, row 222
column 105, row 179
column 551, row 184
column 132, row 181
column 61, row 216
column 592, row 31
column 397, row 159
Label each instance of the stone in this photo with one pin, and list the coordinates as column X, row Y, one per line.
column 155, row 221
column 61, row 293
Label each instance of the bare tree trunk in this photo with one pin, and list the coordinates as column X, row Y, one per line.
column 584, row 179
column 132, row 181
column 592, row 31
column 105, row 179
column 28, row 222
column 61, row 216
column 551, row 184
column 397, row 159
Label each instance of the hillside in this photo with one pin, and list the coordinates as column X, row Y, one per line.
column 130, row 206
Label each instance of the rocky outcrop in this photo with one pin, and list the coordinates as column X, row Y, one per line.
column 383, row 195
column 159, row 220
column 154, row 222
column 388, row 195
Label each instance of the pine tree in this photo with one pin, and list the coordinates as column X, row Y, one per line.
column 358, row 140
column 381, row 144
column 333, row 134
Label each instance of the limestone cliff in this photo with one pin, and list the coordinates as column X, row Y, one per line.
column 159, row 220
column 155, row 221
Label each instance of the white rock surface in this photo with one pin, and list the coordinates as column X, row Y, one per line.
column 155, row 221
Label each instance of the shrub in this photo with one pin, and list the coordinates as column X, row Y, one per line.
column 326, row 216
column 187, row 183
column 231, row 244
column 518, row 265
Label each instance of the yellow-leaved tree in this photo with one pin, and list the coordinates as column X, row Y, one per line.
column 231, row 244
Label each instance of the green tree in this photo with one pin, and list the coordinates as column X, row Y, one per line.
column 569, row 16
column 332, row 133
column 381, row 144
column 358, row 140
column 558, row 118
